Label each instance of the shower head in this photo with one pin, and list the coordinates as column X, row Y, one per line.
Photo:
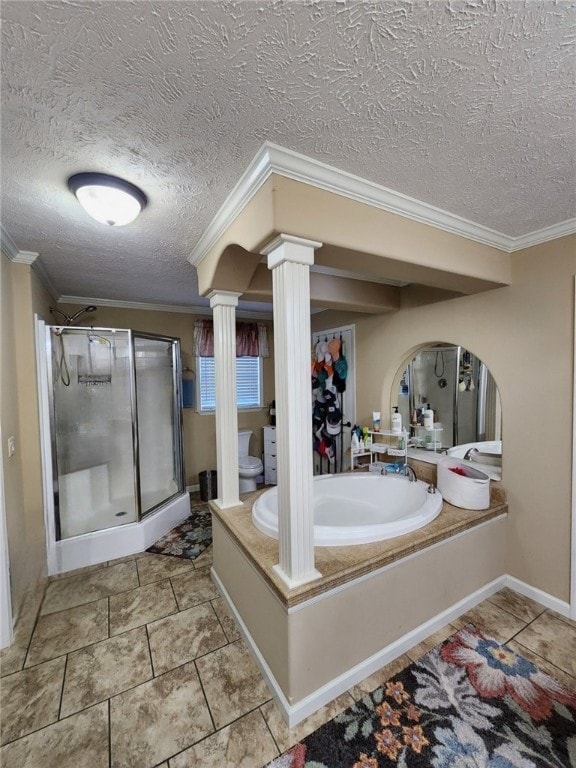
column 69, row 319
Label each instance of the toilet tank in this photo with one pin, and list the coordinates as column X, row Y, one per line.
column 244, row 442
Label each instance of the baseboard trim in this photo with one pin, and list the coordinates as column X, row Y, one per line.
column 295, row 713
column 538, row 595
column 192, row 488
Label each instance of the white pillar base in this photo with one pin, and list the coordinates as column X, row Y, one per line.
column 293, row 583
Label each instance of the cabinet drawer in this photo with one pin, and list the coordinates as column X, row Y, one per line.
column 269, row 441
column 270, row 477
column 270, row 461
column 269, row 433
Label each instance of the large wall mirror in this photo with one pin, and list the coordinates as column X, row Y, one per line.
column 464, row 398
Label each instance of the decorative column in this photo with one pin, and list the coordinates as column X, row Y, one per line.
column 223, row 304
column 290, row 259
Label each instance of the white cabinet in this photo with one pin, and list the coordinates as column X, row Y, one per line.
column 270, row 476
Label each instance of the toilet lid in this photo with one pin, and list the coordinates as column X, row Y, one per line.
column 249, row 462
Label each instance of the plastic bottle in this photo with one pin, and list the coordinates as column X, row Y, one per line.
column 355, row 443
column 428, row 417
column 396, row 421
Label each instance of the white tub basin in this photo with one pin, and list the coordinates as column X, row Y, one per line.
column 357, row 508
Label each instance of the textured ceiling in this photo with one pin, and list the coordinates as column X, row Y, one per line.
column 464, row 104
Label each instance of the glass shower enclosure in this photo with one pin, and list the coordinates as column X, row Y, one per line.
column 116, row 428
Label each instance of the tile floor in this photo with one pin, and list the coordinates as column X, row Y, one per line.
column 137, row 664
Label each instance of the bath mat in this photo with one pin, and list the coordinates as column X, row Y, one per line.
column 469, row 702
column 190, row 538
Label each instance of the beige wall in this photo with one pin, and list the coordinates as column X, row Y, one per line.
column 524, row 333
column 199, row 430
column 22, row 296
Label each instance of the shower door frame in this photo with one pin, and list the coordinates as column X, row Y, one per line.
column 177, row 442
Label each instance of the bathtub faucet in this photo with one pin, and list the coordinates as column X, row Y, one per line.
column 407, row 470
column 410, row 474
column 470, row 453
column 400, row 469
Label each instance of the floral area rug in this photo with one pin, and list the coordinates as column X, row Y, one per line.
column 190, row 538
column 469, row 703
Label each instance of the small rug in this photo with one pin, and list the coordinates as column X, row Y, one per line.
column 190, row 538
column 469, row 703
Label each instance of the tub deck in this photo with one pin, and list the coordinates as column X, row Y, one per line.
column 339, row 565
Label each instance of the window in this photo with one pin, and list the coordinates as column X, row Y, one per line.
column 248, row 383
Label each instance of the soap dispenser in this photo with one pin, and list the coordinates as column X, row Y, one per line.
column 428, row 417
column 396, row 421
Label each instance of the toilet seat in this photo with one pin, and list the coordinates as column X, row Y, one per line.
column 250, row 464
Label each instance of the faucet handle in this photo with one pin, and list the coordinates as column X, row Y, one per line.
column 431, row 488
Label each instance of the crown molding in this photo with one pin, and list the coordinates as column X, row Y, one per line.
column 12, row 251
column 272, row 158
column 544, row 235
column 31, row 258
column 243, row 191
column 40, row 270
column 185, row 310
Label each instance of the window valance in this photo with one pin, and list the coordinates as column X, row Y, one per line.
column 251, row 339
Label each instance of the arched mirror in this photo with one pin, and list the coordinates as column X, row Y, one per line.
column 463, row 396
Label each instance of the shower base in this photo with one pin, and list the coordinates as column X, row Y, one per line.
column 118, row 541
column 117, row 512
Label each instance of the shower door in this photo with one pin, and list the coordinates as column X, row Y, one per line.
column 92, row 429
column 159, row 428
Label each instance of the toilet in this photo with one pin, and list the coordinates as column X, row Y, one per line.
column 249, row 467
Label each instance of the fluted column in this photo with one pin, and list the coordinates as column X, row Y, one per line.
column 290, row 258
column 224, row 305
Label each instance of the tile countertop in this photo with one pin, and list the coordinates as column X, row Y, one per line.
column 339, row 565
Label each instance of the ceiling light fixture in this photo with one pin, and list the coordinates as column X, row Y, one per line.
column 107, row 199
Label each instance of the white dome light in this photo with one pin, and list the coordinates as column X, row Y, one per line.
column 107, row 199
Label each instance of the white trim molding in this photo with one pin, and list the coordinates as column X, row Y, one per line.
column 27, row 257
column 8, row 245
column 273, row 159
column 544, row 235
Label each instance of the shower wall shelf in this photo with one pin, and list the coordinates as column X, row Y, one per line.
column 431, row 436
column 396, row 444
column 384, row 442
